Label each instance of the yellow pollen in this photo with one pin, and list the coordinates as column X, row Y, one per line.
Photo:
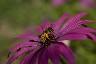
column 44, row 36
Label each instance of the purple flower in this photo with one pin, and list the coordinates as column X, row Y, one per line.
column 47, row 44
column 88, row 3
column 58, row 2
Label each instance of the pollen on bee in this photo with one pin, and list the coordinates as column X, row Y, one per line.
column 47, row 37
column 44, row 37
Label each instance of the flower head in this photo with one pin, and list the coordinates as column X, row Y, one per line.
column 47, row 44
column 58, row 2
column 88, row 3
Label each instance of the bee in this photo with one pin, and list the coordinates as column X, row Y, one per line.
column 47, row 35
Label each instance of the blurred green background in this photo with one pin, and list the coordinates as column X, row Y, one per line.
column 16, row 15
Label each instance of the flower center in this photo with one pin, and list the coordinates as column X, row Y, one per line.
column 47, row 37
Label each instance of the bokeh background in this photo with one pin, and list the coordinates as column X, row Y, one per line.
column 17, row 15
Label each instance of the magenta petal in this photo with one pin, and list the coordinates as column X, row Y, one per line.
column 92, row 36
column 43, row 26
column 16, row 55
column 27, row 36
column 43, row 58
column 53, row 54
column 29, row 59
column 89, row 32
column 66, row 52
column 73, row 36
column 59, row 23
column 24, row 45
column 84, row 30
column 35, row 58
column 72, row 23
